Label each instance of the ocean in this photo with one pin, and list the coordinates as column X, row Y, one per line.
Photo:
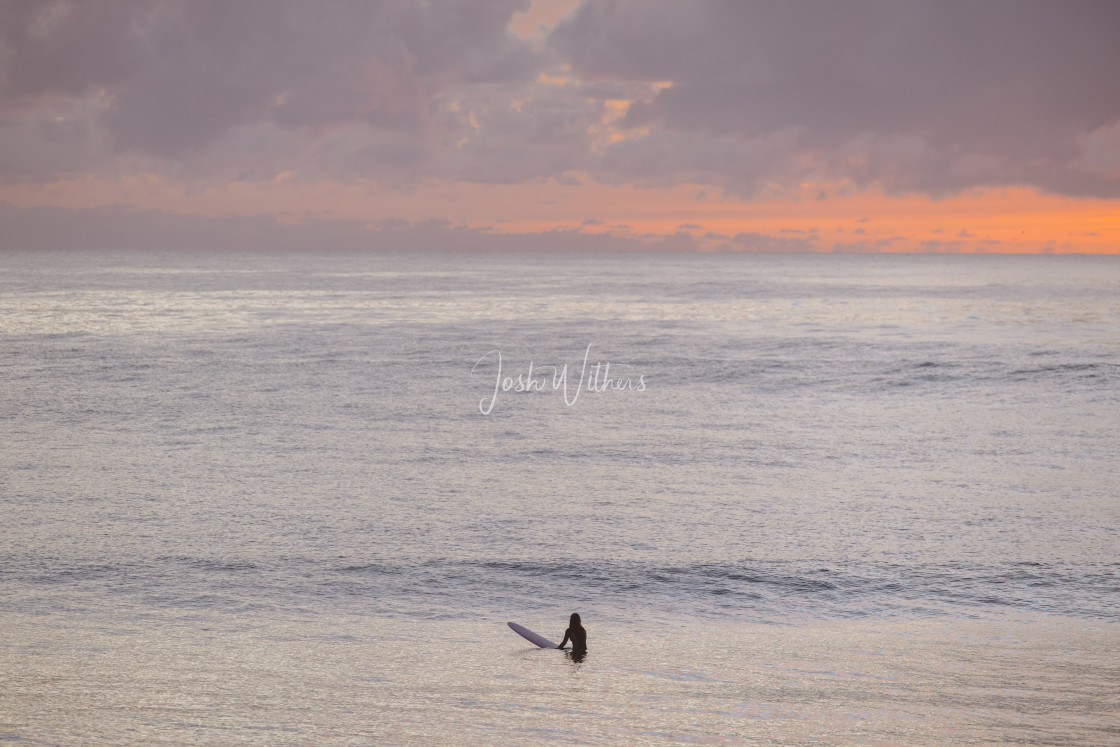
column 292, row 498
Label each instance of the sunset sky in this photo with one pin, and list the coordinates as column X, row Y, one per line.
column 832, row 126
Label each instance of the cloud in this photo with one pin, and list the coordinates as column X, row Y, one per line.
column 917, row 96
column 757, row 242
column 119, row 227
column 173, row 80
column 886, row 244
column 747, row 97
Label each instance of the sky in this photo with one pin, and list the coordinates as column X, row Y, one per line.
column 552, row 125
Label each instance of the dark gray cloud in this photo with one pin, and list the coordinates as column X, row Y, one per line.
column 922, row 95
column 172, row 78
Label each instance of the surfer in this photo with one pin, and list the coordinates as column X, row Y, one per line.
column 576, row 634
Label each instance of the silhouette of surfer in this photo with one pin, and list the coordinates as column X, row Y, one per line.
column 577, row 635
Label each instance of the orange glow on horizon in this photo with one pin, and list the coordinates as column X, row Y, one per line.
column 990, row 220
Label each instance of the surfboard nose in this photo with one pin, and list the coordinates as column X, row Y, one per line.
column 534, row 638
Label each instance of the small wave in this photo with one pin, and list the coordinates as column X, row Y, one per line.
column 212, row 564
column 376, row 568
column 1075, row 370
column 759, row 589
column 773, row 588
column 73, row 573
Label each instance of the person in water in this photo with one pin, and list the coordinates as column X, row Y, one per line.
column 576, row 634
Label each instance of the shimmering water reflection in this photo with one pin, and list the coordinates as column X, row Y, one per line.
column 351, row 680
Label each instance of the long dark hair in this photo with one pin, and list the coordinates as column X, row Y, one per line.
column 574, row 622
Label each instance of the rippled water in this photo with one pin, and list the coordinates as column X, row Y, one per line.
column 253, row 498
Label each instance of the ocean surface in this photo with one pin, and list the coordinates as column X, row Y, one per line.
column 294, row 498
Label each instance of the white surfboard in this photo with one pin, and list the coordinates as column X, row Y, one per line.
column 530, row 636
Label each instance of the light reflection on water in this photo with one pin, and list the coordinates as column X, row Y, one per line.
column 371, row 680
column 135, row 311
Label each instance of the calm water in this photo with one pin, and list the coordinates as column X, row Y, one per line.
column 254, row 498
